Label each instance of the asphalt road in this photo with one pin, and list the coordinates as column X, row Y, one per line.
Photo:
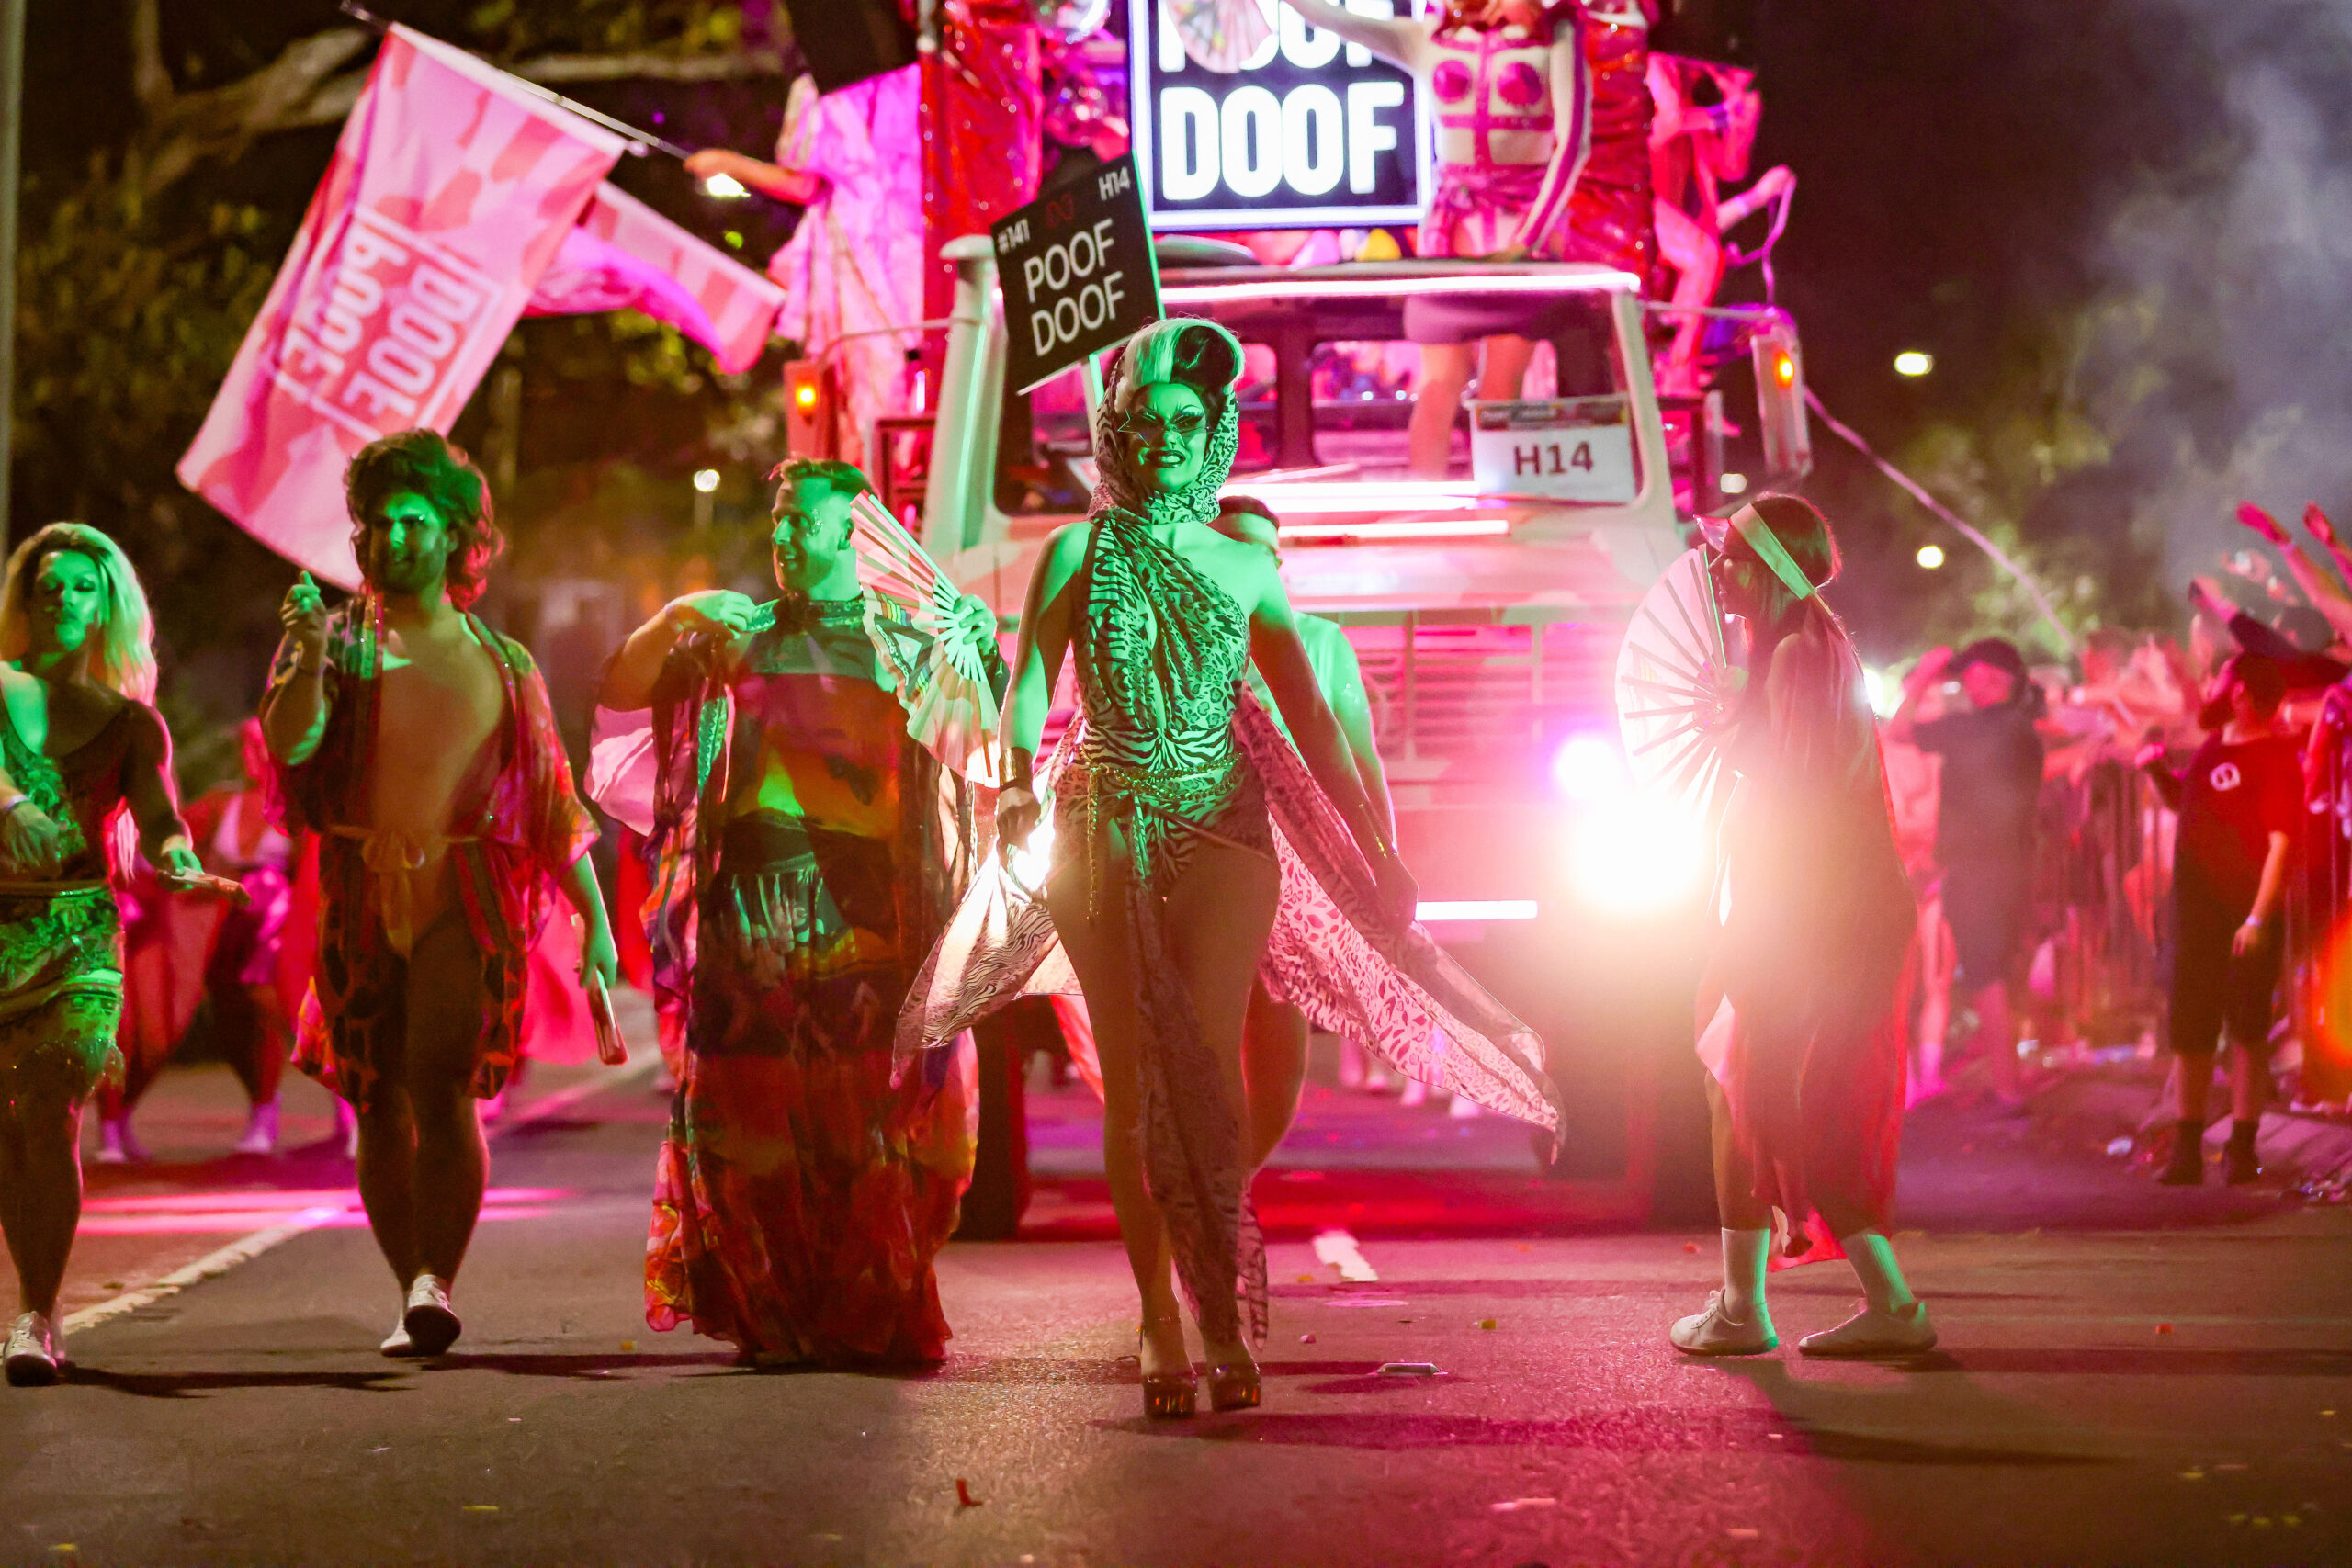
column 2128, row 1375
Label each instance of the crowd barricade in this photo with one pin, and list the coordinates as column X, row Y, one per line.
column 2102, row 884
column 2103, row 895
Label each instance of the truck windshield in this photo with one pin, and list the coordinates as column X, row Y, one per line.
column 1331, row 383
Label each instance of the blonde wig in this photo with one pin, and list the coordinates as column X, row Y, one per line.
column 124, row 658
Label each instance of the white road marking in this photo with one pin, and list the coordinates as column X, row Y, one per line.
column 213, row 1265
column 1337, row 1249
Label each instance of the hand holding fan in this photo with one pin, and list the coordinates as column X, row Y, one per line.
column 1678, row 685
column 892, row 564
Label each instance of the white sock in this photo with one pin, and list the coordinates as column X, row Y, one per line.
column 1746, row 1256
column 1872, row 1256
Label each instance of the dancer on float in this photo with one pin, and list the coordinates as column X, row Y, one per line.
column 1170, row 798
column 1525, row 171
column 419, row 745
column 79, row 745
column 1803, row 1005
column 808, row 851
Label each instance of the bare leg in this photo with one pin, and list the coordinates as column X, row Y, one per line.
column 1219, row 914
column 1437, row 399
column 1504, row 367
column 1274, row 1070
column 386, row 1173
column 1935, row 1002
column 1996, row 1031
column 1097, row 949
column 444, row 1003
column 2249, row 1083
column 41, row 1191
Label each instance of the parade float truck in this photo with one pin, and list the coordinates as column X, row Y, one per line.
column 1485, row 608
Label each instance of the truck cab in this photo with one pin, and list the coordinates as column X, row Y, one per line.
column 1485, row 605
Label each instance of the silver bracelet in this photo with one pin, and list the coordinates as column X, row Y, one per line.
column 10, row 809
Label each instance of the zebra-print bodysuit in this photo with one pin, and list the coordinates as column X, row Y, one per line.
column 1160, row 653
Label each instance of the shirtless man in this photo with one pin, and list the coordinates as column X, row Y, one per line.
column 1274, row 1039
column 432, row 865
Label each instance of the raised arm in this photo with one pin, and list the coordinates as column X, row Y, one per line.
column 1049, row 615
column 1281, row 661
column 797, row 186
column 1404, row 43
column 631, row 678
column 294, row 712
column 2326, row 594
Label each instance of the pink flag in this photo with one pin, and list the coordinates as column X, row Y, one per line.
column 451, row 189
column 625, row 253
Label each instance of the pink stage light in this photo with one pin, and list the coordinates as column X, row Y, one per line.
column 1415, row 528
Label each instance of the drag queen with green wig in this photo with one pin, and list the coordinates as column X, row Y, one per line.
column 1175, row 848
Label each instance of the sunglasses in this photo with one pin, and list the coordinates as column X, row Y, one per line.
column 1147, row 427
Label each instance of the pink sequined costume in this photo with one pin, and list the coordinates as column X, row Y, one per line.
column 854, row 264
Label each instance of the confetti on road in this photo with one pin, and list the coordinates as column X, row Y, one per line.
column 1516, row 1504
column 1306, row 1339
column 1689, row 1246
column 2163, row 1328
column 1485, row 1322
column 1408, row 1369
column 1741, row 1532
column 963, row 1495
column 481, row 1507
column 628, row 1344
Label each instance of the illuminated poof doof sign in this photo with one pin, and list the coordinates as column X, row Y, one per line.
column 1932, row 556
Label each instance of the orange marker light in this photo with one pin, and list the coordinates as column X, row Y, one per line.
column 1784, row 369
column 806, row 394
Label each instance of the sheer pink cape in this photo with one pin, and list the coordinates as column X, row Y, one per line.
column 1334, row 952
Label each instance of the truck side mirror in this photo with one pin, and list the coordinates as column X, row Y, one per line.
column 1780, row 399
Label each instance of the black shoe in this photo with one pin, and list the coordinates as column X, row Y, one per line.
column 2186, row 1167
column 2238, row 1165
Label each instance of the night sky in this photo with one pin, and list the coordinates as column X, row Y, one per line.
column 2132, row 212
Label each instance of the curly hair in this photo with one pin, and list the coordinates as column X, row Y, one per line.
column 425, row 463
column 843, row 478
column 124, row 660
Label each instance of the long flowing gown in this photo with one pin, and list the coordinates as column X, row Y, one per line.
column 802, row 864
column 1809, row 1043
column 1170, row 746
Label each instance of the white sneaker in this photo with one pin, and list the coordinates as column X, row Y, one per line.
column 116, row 1145
column 261, row 1131
column 398, row 1343
column 35, row 1357
column 1712, row 1331
column 1869, row 1332
column 431, row 1325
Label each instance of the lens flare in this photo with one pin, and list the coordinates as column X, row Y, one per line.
column 1635, row 856
column 1588, row 769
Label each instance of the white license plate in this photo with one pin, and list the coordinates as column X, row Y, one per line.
column 1571, row 449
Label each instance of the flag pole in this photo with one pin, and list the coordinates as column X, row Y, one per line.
column 641, row 142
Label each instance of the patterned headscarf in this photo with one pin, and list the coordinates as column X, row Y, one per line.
column 1149, row 357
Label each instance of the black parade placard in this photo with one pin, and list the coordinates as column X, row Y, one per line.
column 1078, row 272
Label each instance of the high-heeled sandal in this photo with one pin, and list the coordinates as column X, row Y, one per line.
column 1168, row 1396
column 1235, row 1387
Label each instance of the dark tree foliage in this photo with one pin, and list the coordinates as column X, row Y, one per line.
column 173, row 146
